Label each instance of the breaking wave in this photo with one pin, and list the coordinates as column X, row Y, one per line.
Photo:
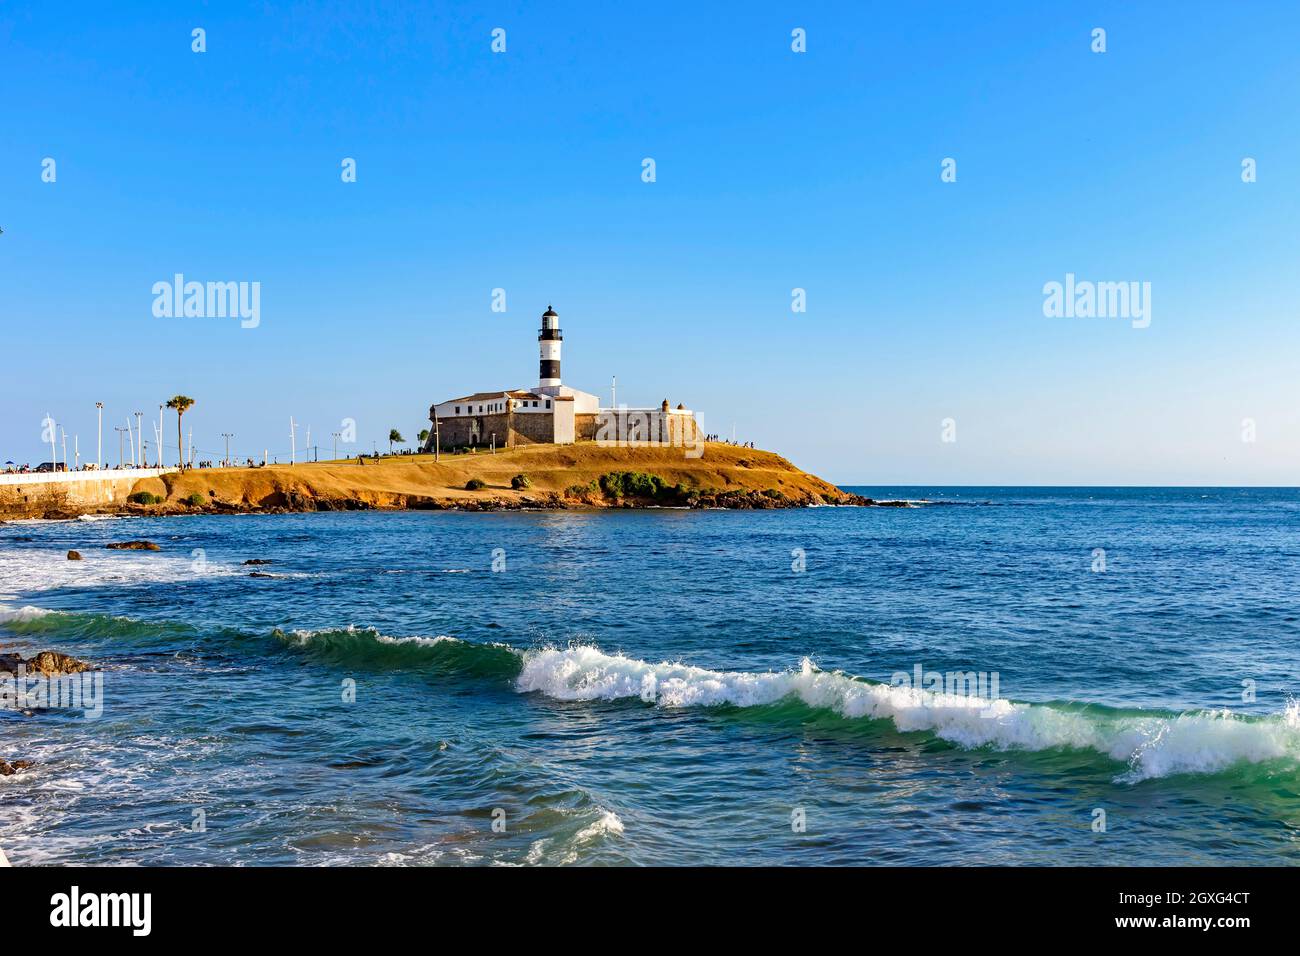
column 1151, row 744
column 368, row 646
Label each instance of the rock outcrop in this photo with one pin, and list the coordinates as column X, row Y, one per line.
column 46, row 663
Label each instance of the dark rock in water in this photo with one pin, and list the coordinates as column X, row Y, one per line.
column 9, row 769
column 133, row 546
column 258, row 561
column 74, row 555
column 46, row 663
column 260, row 574
column 24, row 538
column 52, row 664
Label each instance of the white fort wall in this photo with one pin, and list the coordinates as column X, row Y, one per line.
column 75, row 489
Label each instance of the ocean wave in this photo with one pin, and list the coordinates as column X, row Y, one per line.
column 1152, row 745
column 608, row 824
column 117, row 634
column 21, row 615
column 307, row 637
column 368, row 646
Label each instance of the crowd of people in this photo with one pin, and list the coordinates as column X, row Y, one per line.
column 10, row 468
column 45, row 467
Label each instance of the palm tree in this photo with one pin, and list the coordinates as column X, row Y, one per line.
column 393, row 435
column 182, row 404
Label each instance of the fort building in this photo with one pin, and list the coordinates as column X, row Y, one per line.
column 552, row 412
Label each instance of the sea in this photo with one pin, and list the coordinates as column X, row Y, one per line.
column 1028, row 676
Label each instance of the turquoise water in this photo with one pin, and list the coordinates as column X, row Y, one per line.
column 662, row 687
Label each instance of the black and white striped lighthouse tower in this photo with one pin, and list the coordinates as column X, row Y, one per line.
column 549, row 340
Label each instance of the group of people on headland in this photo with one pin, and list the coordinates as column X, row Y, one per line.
column 10, row 468
column 45, row 467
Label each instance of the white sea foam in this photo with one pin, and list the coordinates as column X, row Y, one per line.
column 1152, row 746
column 19, row 614
column 30, row 571
column 607, row 825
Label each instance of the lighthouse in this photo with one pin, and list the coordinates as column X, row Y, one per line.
column 549, row 340
column 551, row 413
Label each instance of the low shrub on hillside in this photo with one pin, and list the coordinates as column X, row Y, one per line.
column 520, row 482
column 195, row 500
column 638, row 484
column 474, row 484
column 144, row 498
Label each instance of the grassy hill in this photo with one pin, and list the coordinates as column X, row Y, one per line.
column 583, row 475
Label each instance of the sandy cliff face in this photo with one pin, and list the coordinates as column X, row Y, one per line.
column 558, row 476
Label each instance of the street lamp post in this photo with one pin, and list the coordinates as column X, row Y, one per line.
column 99, row 457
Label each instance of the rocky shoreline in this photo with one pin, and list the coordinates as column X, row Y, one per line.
column 531, row 478
column 16, row 668
column 294, row 503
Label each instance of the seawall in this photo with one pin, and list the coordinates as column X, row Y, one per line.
column 34, row 495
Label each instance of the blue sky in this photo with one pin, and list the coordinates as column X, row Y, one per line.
column 775, row 170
